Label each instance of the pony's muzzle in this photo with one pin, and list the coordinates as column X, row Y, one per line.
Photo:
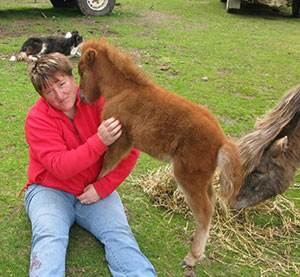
column 82, row 98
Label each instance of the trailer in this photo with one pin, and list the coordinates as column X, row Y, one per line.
column 232, row 6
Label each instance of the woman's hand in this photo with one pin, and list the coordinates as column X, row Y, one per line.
column 109, row 131
column 89, row 195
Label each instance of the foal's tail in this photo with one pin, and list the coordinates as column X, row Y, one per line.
column 230, row 167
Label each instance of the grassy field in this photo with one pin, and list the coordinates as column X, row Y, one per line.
column 250, row 60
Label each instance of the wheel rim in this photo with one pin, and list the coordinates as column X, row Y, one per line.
column 97, row 5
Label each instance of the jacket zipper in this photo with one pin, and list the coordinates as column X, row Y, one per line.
column 75, row 128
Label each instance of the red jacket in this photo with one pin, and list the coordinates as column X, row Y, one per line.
column 68, row 155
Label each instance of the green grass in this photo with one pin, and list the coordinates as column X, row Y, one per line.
column 250, row 58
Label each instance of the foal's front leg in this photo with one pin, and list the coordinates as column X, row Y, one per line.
column 115, row 153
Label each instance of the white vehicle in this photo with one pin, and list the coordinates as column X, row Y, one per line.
column 87, row 7
column 234, row 5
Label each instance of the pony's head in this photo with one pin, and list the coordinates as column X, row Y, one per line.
column 88, row 69
column 103, row 65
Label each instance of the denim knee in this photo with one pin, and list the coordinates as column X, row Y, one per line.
column 51, row 214
column 107, row 221
column 41, row 201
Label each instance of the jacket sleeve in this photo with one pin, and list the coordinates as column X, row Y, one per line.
column 106, row 185
column 49, row 149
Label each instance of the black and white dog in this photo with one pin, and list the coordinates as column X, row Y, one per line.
column 33, row 48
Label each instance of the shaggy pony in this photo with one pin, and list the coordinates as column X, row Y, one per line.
column 270, row 154
column 167, row 127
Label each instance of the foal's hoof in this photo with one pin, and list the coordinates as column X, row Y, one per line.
column 190, row 260
column 184, row 265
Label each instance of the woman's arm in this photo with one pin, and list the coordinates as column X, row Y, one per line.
column 49, row 148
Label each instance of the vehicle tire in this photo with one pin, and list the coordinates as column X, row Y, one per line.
column 95, row 7
column 296, row 8
column 230, row 10
column 62, row 3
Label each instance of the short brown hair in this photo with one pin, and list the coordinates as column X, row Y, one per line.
column 44, row 72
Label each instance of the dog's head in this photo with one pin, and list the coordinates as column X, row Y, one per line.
column 75, row 38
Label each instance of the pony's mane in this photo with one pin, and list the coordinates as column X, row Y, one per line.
column 121, row 61
column 267, row 129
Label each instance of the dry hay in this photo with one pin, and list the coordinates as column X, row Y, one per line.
column 263, row 237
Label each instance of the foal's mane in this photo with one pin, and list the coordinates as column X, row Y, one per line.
column 121, row 61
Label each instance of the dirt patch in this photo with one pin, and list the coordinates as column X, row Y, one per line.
column 159, row 18
column 9, row 149
column 23, row 28
column 241, row 95
column 224, row 72
column 228, row 120
column 140, row 56
column 165, row 20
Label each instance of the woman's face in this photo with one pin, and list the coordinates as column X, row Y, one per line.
column 61, row 95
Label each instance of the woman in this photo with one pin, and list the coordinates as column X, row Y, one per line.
column 67, row 142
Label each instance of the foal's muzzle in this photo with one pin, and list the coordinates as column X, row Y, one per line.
column 82, row 98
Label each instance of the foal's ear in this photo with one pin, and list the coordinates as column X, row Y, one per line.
column 90, row 56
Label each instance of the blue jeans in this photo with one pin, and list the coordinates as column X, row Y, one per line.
column 52, row 212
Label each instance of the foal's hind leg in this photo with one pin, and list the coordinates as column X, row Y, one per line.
column 202, row 208
column 199, row 195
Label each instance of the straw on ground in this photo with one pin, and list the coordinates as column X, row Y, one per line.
column 250, row 237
